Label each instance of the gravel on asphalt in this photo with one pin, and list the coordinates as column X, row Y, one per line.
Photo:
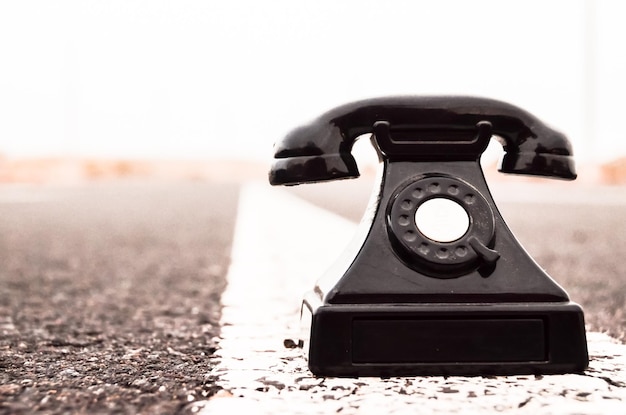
column 109, row 296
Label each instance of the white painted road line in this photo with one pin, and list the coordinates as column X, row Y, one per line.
column 280, row 248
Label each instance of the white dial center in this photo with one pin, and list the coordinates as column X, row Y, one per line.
column 442, row 220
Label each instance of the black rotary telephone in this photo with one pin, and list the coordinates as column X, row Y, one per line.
column 436, row 283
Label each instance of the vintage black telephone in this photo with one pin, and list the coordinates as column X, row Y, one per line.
column 405, row 299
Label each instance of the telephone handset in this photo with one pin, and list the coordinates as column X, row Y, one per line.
column 420, row 129
column 449, row 293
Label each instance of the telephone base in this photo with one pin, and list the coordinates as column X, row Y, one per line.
column 444, row 339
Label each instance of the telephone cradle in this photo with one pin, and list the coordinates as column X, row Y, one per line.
column 408, row 297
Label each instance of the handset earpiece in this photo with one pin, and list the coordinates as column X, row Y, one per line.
column 546, row 152
column 313, row 153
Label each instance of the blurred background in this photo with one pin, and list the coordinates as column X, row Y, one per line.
column 96, row 88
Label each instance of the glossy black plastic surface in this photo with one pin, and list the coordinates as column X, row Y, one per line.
column 421, row 128
column 445, row 339
column 399, row 303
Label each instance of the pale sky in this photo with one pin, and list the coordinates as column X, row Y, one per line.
column 205, row 79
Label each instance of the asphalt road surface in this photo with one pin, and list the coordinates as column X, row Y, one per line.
column 109, row 293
